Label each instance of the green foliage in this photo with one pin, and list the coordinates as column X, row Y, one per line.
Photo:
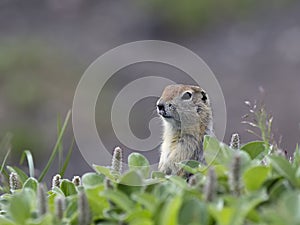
column 254, row 149
column 31, row 183
column 255, row 176
column 285, row 169
column 67, row 187
column 269, row 192
column 138, row 161
column 29, row 157
column 22, row 200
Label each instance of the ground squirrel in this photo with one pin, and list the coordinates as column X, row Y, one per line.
column 187, row 116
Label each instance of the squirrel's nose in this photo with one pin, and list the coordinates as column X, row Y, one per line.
column 161, row 107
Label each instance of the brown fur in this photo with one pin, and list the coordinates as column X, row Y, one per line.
column 185, row 123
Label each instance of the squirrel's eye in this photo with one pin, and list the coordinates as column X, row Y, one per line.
column 186, row 96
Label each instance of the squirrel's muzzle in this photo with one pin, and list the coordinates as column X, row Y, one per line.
column 162, row 109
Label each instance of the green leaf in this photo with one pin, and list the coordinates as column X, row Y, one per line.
column 23, row 176
column 190, row 166
column 29, row 158
column 91, row 180
column 157, row 175
column 255, row 176
column 290, row 203
column 4, row 221
column 19, row 208
column 137, row 161
column 139, row 221
column 129, row 189
column 45, row 220
column 284, row 168
column 71, row 210
column 132, row 178
column 110, row 223
column 286, row 211
column 193, row 212
column 225, row 216
column 169, row 213
column 68, row 187
column 164, row 190
column 150, row 183
column 105, row 171
column 179, row 182
column 236, row 212
column 254, row 149
column 296, row 161
column 139, row 216
column 147, row 200
column 216, row 153
column 57, row 191
column 97, row 203
column 120, row 199
column 31, row 183
column 280, row 187
column 220, row 170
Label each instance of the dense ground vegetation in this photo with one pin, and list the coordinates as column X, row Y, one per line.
column 254, row 183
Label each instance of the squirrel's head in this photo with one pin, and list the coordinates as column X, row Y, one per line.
column 184, row 105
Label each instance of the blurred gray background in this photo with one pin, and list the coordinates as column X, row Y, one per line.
column 45, row 46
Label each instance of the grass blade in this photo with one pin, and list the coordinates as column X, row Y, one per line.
column 30, row 162
column 67, row 160
column 56, row 147
column 5, row 145
column 3, row 163
column 60, row 151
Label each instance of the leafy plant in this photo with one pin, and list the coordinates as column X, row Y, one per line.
column 239, row 185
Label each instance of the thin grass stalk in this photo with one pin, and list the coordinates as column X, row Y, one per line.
column 56, row 147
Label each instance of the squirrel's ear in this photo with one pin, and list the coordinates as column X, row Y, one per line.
column 196, row 88
column 199, row 90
